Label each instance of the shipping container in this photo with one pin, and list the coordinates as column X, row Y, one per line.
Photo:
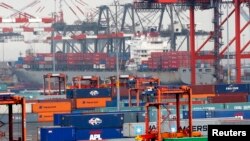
column 57, row 134
column 88, row 93
column 91, row 102
column 201, row 125
column 51, row 107
column 245, row 114
column 112, row 103
column 231, row 88
column 248, row 99
column 58, row 118
column 238, row 106
column 17, row 118
column 98, row 134
column 16, row 108
column 206, row 107
column 46, row 117
column 94, row 121
column 199, row 114
column 203, row 89
column 228, row 98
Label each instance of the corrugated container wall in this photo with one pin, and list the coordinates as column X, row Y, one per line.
column 94, row 121
column 17, row 118
column 88, row 93
column 238, row 106
column 231, row 88
column 51, row 107
column 16, row 108
column 91, row 102
column 228, row 98
column 57, row 134
column 245, row 114
column 203, row 89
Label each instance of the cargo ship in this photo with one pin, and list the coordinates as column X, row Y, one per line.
column 149, row 55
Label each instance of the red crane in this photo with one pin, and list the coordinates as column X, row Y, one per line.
column 147, row 4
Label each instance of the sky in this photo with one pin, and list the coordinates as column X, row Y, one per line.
column 11, row 50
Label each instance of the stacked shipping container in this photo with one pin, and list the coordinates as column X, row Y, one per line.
column 46, row 110
column 159, row 61
column 89, row 98
column 69, row 61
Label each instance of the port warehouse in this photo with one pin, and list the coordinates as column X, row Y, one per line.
column 103, row 61
column 210, row 101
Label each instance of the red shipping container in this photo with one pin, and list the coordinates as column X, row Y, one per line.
column 203, row 89
column 228, row 98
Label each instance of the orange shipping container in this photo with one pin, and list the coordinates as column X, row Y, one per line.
column 47, row 117
column 91, row 102
column 51, row 107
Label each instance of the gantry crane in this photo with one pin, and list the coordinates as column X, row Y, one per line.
column 7, row 98
column 216, row 35
column 138, row 84
column 80, row 82
column 157, row 134
column 59, row 80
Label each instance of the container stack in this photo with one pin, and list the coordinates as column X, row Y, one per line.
column 89, row 98
column 95, row 126
column 83, row 126
column 69, row 61
column 229, row 93
column 46, row 110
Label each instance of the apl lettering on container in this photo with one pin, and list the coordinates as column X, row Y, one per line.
column 98, row 134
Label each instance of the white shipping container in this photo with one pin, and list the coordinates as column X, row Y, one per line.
column 135, row 129
column 15, row 108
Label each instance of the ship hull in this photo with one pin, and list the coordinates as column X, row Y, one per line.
column 180, row 76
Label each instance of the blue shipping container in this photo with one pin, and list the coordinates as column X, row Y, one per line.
column 57, row 134
column 94, row 121
column 98, row 134
column 88, row 93
column 231, row 88
column 58, row 117
column 248, row 99
column 232, row 113
column 112, row 103
column 199, row 114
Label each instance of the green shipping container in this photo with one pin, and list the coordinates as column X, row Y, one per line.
column 114, row 109
column 206, row 107
column 3, row 87
column 238, row 106
column 187, row 139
